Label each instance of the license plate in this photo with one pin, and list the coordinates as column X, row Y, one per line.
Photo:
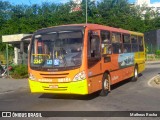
column 53, row 86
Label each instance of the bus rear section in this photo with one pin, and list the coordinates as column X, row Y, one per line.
column 138, row 47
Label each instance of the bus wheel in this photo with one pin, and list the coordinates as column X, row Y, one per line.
column 135, row 76
column 105, row 85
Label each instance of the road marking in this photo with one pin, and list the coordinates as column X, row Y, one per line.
column 11, row 91
column 6, row 92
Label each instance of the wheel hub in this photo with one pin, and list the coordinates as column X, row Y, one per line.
column 106, row 84
column 136, row 73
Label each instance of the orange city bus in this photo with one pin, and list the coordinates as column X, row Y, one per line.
column 83, row 58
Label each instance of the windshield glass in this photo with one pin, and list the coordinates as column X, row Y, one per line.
column 61, row 49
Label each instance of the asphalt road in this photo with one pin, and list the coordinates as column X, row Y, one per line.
column 125, row 96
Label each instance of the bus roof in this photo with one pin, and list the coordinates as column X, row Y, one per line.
column 89, row 26
column 136, row 33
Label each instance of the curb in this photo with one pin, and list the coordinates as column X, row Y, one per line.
column 150, row 62
column 149, row 82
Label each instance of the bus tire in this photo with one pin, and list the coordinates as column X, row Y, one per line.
column 135, row 76
column 105, row 85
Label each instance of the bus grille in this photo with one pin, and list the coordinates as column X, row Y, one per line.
column 54, row 75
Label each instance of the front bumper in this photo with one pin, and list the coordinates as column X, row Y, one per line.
column 79, row 87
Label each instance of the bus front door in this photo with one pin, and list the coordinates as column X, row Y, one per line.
column 94, row 61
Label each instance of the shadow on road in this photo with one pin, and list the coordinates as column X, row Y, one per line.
column 120, row 84
column 140, row 75
column 70, row 97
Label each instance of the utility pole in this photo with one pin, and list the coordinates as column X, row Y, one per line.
column 86, row 12
column 7, row 59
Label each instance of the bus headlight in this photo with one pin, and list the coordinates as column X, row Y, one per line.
column 31, row 77
column 80, row 76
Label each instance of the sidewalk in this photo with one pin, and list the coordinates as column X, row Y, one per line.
column 10, row 85
column 152, row 62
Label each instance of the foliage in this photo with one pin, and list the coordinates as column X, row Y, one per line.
column 117, row 13
column 19, row 71
column 16, row 19
column 157, row 52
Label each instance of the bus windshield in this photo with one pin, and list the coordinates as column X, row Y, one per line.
column 57, row 50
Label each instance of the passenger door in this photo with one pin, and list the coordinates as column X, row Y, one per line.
column 94, row 60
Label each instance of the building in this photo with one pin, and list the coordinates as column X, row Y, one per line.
column 20, row 42
column 77, row 1
column 154, row 6
column 77, row 6
column 141, row 2
column 152, row 40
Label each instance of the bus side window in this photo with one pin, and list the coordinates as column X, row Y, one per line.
column 94, row 54
column 134, row 43
column 116, row 43
column 140, row 42
column 106, row 42
column 126, row 43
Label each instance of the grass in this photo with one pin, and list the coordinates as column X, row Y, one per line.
column 152, row 57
